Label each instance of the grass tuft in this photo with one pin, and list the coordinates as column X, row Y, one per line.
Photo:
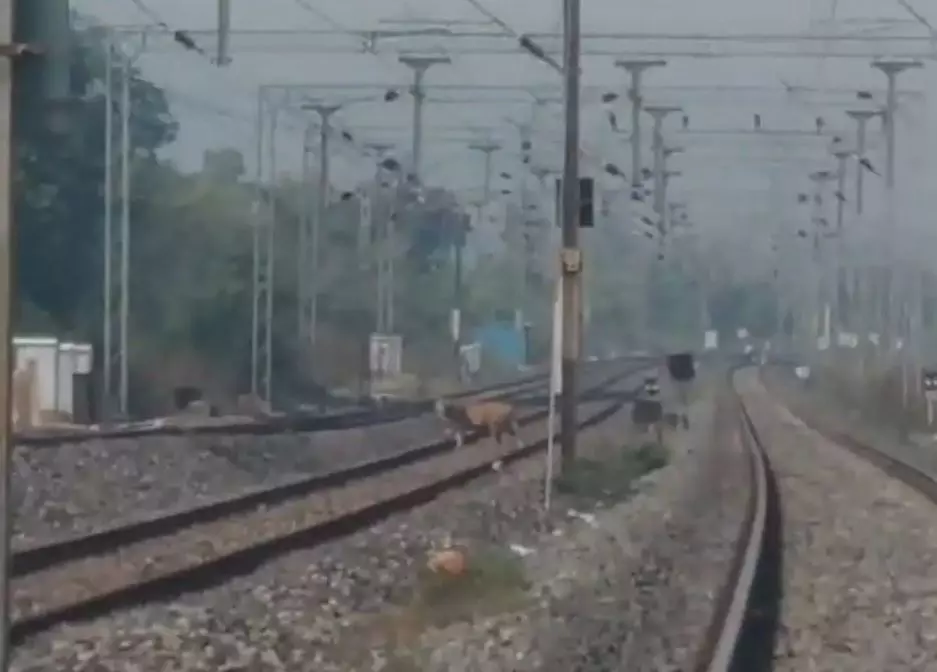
column 611, row 480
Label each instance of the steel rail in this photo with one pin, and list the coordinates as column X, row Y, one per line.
column 39, row 556
column 392, row 411
column 733, row 605
column 919, row 478
column 241, row 560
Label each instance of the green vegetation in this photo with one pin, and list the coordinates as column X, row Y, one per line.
column 191, row 261
column 494, row 580
column 612, row 478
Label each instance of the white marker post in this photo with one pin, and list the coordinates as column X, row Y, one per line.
column 929, row 383
column 556, row 385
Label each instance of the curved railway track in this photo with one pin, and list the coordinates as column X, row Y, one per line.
column 741, row 633
column 920, row 478
column 185, row 550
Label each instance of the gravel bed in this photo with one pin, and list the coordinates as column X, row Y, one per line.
column 823, row 410
column 859, row 548
column 76, row 488
column 634, row 590
column 66, row 583
column 327, row 608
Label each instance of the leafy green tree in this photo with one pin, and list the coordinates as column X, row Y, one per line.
column 59, row 193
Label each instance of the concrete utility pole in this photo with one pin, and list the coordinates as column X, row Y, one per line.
column 842, row 155
column 892, row 69
column 571, row 256
column 419, row 65
column 839, row 269
column 117, row 237
column 263, row 250
column 522, row 179
column 7, row 363
column 302, row 253
column 44, row 75
column 487, row 149
column 636, row 69
column 525, row 238
column 107, row 359
column 667, row 153
column 124, row 232
column 822, row 294
column 222, row 50
column 658, row 114
column 862, row 124
column 381, row 245
column 325, row 113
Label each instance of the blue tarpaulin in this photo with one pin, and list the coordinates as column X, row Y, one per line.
column 502, row 342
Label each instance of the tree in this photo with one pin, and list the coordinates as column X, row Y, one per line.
column 59, row 194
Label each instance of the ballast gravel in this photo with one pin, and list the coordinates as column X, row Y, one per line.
column 859, row 590
column 76, row 488
column 631, row 584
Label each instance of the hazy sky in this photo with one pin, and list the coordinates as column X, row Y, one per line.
column 216, row 106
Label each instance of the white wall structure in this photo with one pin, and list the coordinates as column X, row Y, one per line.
column 44, row 352
column 56, row 363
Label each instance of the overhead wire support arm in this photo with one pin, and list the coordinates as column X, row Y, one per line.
column 506, row 41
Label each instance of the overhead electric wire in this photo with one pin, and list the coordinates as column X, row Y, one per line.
column 181, row 37
column 920, row 18
column 185, row 40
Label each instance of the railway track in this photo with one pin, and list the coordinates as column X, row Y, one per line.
column 741, row 633
column 746, row 623
column 181, row 551
column 391, row 411
column 920, row 478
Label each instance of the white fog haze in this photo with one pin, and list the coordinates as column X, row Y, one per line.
column 468, row 335
column 215, row 107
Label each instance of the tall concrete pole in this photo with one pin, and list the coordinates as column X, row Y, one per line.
column 667, row 175
column 125, row 168
column 839, row 269
column 271, row 257
column 419, row 65
column 487, row 149
column 222, row 49
column 325, row 113
column 636, row 69
column 257, row 274
column 522, row 180
column 302, row 261
column 381, row 246
column 862, row 123
column 7, row 364
column 571, row 256
column 658, row 114
column 107, row 359
column 821, row 294
column 264, row 215
column 841, row 158
column 891, row 69
column 667, row 153
column 862, row 277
